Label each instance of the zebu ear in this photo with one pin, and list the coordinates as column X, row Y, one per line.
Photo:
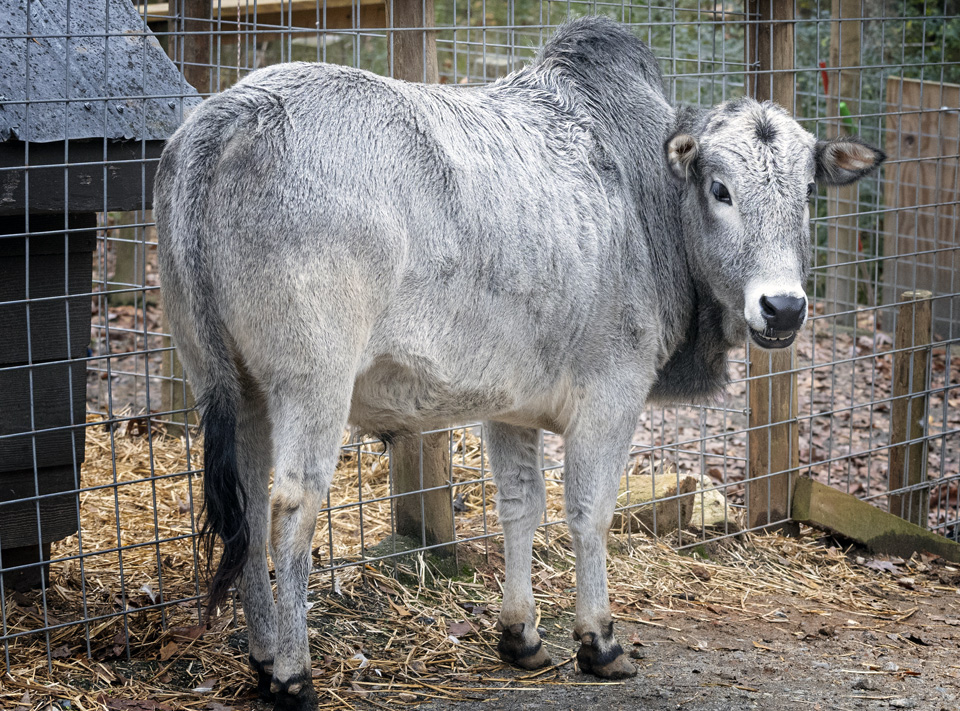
column 845, row 160
column 682, row 150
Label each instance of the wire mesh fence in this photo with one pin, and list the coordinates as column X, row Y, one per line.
column 99, row 452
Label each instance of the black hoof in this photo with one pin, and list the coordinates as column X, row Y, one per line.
column 295, row 694
column 607, row 663
column 264, row 672
column 514, row 650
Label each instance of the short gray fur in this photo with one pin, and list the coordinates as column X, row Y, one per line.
column 543, row 252
column 84, row 64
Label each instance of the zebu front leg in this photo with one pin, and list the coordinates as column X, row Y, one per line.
column 596, row 453
column 521, row 501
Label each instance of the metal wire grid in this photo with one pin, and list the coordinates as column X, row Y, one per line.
column 701, row 47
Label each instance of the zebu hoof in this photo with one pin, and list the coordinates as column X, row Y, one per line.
column 295, row 694
column 264, row 672
column 515, row 650
column 609, row 663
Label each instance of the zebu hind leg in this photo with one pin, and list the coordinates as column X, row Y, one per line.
column 521, row 500
column 596, row 453
column 256, row 596
column 309, row 415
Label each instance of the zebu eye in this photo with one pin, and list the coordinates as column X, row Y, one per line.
column 720, row 192
column 811, row 190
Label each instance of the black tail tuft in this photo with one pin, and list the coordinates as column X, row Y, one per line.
column 224, row 500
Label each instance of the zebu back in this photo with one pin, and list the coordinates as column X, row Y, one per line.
column 467, row 238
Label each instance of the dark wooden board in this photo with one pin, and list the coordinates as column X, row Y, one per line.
column 92, row 168
column 825, row 507
column 25, row 578
column 81, row 226
column 58, row 514
column 48, row 277
column 51, row 408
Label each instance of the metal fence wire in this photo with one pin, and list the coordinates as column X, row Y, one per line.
column 99, row 451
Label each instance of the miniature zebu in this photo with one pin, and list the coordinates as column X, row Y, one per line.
column 550, row 251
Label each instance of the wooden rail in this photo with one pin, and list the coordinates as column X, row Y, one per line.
column 774, row 438
column 271, row 18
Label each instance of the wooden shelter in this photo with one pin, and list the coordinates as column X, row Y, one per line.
column 87, row 98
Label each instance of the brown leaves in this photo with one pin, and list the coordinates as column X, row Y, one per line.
column 168, row 650
column 884, row 565
column 114, row 704
column 460, row 629
column 188, row 634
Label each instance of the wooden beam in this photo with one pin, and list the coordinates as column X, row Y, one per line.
column 420, row 462
column 265, row 12
column 273, row 19
column 827, row 508
column 770, row 53
column 76, row 169
column 414, row 53
column 908, row 411
column 774, row 439
column 843, row 234
column 192, row 55
column 424, row 512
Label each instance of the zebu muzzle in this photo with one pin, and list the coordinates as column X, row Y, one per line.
column 773, row 339
column 783, row 315
column 775, row 311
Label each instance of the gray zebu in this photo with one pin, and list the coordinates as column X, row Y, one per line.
column 551, row 251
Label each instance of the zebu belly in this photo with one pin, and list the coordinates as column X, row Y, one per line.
column 406, row 396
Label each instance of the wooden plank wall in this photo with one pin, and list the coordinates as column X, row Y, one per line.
column 231, row 17
column 921, row 194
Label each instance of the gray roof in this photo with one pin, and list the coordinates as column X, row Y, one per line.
column 103, row 77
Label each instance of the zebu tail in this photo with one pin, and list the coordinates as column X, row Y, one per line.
column 182, row 189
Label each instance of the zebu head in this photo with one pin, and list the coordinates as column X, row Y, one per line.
column 749, row 171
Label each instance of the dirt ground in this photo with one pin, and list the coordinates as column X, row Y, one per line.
column 711, row 648
column 793, row 656
column 754, row 622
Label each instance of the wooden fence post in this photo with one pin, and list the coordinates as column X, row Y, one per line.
column 843, row 233
column 191, row 52
column 774, row 438
column 908, row 462
column 423, row 462
column 126, row 269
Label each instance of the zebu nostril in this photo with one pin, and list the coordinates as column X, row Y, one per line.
column 783, row 313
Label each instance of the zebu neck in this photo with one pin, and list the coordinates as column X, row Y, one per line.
column 619, row 87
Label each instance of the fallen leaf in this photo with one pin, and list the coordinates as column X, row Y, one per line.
column 473, row 608
column 61, row 652
column 188, row 633
column 114, row 704
column 206, row 686
column 459, row 629
column 908, row 583
column 882, row 565
column 168, row 650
